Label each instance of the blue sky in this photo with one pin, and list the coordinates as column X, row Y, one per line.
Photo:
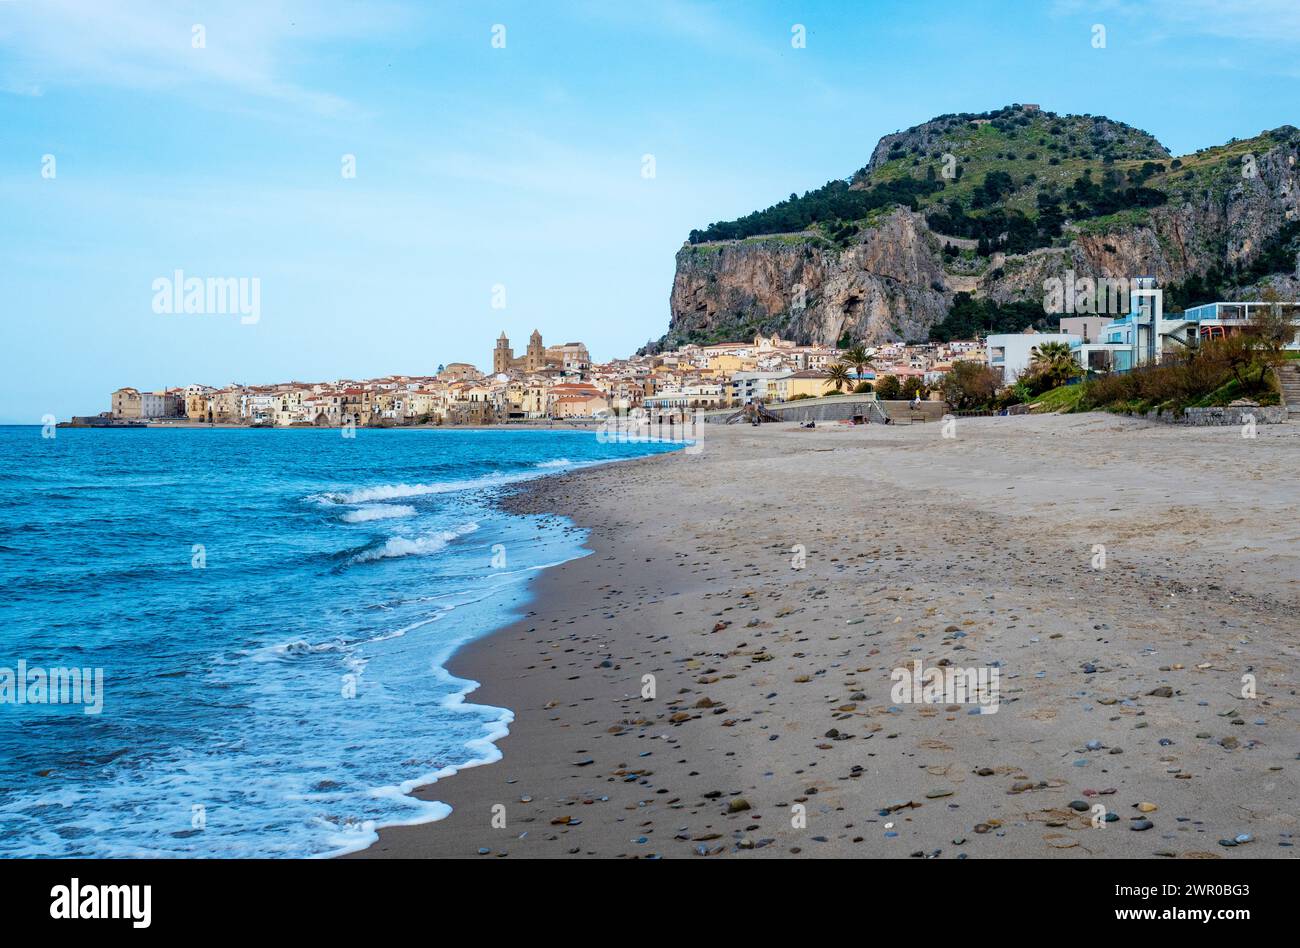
column 478, row 166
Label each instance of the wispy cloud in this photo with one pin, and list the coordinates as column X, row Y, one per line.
column 149, row 44
column 1268, row 21
column 704, row 25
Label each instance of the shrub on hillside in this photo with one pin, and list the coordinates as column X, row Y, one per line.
column 1243, row 359
column 1016, row 394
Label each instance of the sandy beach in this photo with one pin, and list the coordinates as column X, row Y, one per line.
column 771, row 583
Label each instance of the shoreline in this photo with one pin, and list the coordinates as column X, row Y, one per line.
column 486, row 749
column 475, row 661
column 203, row 425
column 751, row 718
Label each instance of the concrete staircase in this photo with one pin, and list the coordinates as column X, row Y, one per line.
column 1289, row 377
column 746, row 415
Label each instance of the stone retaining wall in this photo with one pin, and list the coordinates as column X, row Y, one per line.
column 1202, row 417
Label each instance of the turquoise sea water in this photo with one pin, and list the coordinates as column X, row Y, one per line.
column 271, row 611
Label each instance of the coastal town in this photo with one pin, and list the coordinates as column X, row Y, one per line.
column 556, row 382
column 561, row 383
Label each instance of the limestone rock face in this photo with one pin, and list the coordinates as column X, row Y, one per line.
column 888, row 284
column 891, row 280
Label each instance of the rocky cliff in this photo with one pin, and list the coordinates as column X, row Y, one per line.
column 888, row 283
column 1044, row 193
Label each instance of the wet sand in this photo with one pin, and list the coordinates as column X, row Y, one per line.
column 772, row 730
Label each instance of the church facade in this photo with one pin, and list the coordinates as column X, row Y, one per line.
column 572, row 357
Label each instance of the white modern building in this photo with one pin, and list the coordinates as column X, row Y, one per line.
column 1011, row 353
column 1215, row 320
column 1145, row 335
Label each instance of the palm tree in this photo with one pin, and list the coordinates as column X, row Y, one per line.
column 857, row 357
column 1054, row 361
column 838, row 375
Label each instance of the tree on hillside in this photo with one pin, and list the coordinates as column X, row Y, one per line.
column 969, row 318
column 996, row 184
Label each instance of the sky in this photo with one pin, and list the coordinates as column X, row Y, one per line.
column 517, row 165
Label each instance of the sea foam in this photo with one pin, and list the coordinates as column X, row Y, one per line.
column 367, row 495
column 413, row 546
column 363, row 495
column 378, row 512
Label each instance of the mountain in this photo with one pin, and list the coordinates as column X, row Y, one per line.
column 953, row 225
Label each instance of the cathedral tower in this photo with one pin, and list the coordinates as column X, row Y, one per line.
column 535, row 357
column 502, row 355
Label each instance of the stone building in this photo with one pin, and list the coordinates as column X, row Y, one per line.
column 571, row 357
column 132, row 403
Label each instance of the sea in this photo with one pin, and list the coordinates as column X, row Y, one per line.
column 233, row 642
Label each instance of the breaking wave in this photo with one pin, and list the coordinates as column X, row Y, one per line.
column 413, row 546
column 378, row 512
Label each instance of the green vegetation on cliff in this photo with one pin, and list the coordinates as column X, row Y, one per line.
column 835, row 202
column 969, row 317
column 1010, row 178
